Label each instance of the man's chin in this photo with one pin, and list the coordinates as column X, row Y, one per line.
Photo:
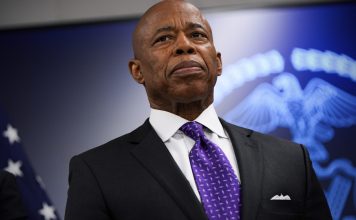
column 194, row 97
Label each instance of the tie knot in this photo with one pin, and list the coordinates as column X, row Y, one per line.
column 193, row 130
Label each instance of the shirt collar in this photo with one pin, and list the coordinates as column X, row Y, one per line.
column 166, row 124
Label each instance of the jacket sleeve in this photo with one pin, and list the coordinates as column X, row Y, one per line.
column 85, row 199
column 316, row 204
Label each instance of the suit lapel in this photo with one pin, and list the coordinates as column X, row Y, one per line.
column 155, row 157
column 250, row 165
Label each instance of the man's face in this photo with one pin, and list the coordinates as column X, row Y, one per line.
column 175, row 56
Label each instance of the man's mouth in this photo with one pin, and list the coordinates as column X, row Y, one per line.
column 187, row 67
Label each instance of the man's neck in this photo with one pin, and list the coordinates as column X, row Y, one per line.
column 189, row 111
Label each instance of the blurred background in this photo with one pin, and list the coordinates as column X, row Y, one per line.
column 289, row 70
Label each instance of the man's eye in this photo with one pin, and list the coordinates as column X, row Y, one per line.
column 198, row 35
column 163, row 38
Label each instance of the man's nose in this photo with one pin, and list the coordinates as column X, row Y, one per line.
column 184, row 45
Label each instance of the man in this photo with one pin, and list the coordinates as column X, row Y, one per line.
column 172, row 168
column 11, row 207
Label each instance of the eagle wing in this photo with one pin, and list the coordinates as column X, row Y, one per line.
column 263, row 110
column 327, row 103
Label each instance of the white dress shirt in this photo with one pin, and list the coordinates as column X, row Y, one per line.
column 179, row 145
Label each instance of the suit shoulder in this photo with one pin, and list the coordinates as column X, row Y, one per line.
column 118, row 143
column 267, row 138
column 266, row 141
column 118, row 147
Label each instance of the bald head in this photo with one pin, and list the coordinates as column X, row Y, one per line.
column 162, row 11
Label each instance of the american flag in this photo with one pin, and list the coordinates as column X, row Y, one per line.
column 14, row 160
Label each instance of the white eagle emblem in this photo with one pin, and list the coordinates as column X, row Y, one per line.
column 310, row 114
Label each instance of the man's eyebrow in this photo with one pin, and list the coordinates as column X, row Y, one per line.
column 164, row 29
column 192, row 25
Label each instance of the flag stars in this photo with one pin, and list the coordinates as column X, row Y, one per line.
column 11, row 134
column 14, row 161
column 14, row 167
column 47, row 212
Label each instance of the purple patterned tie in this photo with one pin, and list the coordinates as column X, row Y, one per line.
column 217, row 183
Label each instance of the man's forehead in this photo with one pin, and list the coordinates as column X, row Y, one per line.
column 170, row 20
column 168, row 15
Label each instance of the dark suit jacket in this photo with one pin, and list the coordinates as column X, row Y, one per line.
column 135, row 177
column 11, row 206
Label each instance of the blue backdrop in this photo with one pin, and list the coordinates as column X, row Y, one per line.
column 288, row 71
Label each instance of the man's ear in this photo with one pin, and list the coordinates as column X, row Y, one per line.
column 135, row 70
column 219, row 63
